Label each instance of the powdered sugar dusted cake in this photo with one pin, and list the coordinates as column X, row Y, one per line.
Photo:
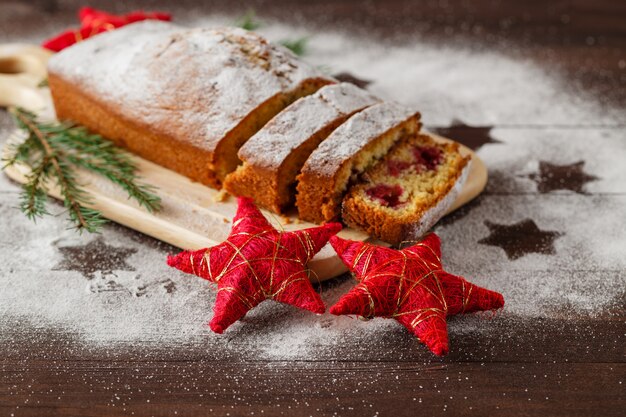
column 274, row 155
column 352, row 148
column 186, row 99
column 406, row 192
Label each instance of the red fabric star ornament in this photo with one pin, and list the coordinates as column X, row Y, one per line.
column 257, row 263
column 409, row 285
column 94, row 21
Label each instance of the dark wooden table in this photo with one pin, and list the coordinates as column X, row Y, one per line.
column 564, row 362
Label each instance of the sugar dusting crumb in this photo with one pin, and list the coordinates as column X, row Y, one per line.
column 151, row 304
column 221, row 196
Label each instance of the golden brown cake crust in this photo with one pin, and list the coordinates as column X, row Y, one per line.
column 359, row 212
column 203, row 91
column 272, row 189
column 274, row 155
column 348, row 151
column 71, row 104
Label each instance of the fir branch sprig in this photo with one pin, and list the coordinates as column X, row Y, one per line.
column 54, row 151
column 248, row 21
column 298, row 46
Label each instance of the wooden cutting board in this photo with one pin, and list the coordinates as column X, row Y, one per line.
column 192, row 216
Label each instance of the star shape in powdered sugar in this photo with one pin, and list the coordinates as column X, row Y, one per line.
column 410, row 286
column 93, row 257
column 561, row 177
column 257, row 263
column 474, row 137
column 521, row 238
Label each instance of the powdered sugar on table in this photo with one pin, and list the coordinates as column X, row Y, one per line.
column 142, row 301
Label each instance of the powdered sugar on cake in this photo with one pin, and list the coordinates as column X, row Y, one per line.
column 292, row 127
column 107, row 62
column 432, row 215
column 354, row 134
column 227, row 73
column 346, row 98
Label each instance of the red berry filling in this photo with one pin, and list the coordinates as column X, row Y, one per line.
column 423, row 158
column 428, row 157
column 387, row 195
column 396, row 167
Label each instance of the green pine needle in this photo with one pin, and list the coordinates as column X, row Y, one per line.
column 54, row 151
column 248, row 21
column 33, row 202
column 297, row 46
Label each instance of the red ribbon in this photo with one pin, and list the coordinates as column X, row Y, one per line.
column 94, row 21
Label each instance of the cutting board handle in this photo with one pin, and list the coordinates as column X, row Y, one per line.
column 22, row 71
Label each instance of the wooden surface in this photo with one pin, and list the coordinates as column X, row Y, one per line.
column 559, row 364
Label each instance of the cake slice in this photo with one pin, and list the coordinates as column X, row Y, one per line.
column 186, row 99
column 275, row 154
column 352, row 148
column 405, row 193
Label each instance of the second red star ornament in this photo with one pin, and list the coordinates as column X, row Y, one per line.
column 257, row 263
column 409, row 285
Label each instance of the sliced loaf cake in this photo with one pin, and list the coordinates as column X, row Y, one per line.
column 186, row 99
column 407, row 191
column 275, row 154
column 351, row 149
